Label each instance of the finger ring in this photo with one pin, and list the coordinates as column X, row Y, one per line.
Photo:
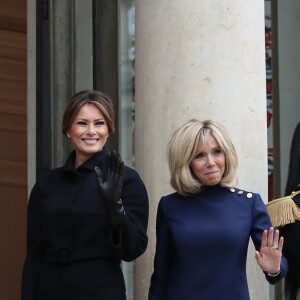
column 274, row 246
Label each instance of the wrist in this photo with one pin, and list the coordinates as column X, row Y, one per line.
column 274, row 274
column 120, row 207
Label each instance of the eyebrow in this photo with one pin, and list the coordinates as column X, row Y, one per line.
column 214, row 148
column 83, row 119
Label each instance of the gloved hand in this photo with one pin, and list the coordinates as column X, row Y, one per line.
column 110, row 190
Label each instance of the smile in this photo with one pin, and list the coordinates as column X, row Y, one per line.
column 90, row 141
column 211, row 173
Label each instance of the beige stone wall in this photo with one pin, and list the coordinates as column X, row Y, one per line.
column 199, row 59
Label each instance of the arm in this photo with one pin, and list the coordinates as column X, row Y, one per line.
column 32, row 260
column 132, row 235
column 291, row 235
column 291, row 251
column 270, row 260
column 127, row 203
column 162, row 259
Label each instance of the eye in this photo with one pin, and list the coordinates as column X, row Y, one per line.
column 199, row 155
column 83, row 123
column 217, row 151
column 100, row 123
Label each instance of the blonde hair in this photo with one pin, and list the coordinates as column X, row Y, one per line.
column 183, row 146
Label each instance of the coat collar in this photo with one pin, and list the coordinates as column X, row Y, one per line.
column 89, row 164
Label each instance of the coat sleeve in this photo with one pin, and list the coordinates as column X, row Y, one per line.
column 163, row 257
column 291, row 250
column 33, row 255
column 260, row 222
column 132, row 236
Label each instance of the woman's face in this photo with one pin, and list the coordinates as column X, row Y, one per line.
column 208, row 164
column 88, row 132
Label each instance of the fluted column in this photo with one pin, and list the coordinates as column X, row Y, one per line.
column 199, row 59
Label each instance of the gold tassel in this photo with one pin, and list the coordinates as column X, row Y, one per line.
column 283, row 210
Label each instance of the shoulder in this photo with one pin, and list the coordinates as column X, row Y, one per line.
column 170, row 200
column 243, row 194
column 247, row 199
column 297, row 200
column 130, row 173
column 132, row 180
column 51, row 174
column 131, row 176
column 47, row 181
column 50, row 177
column 171, row 197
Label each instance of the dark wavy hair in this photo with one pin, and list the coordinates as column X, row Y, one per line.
column 99, row 99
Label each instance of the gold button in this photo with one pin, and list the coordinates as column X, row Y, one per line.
column 232, row 190
column 249, row 195
column 240, row 192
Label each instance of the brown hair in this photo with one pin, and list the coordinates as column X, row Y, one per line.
column 102, row 101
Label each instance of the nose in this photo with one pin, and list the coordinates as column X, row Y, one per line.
column 210, row 160
column 91, row 129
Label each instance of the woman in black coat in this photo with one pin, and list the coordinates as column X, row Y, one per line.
column 291, row 232
column 86, row 216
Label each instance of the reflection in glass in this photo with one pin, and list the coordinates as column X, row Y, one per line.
column 126, row 103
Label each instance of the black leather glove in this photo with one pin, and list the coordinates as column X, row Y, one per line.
column 111, row 189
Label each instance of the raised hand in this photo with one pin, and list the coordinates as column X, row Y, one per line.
column 111, row 189
column 269, row 256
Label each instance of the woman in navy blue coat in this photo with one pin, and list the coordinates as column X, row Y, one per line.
column 86, row 216
column 203, row 229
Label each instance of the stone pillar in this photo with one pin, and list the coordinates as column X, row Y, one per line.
column 199, row 59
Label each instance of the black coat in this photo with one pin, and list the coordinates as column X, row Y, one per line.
column 291, row 250
column 70, row 250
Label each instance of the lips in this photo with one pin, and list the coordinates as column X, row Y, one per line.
column 211, row 173
column 90, row 141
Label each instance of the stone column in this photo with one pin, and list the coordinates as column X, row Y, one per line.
column 205, row 60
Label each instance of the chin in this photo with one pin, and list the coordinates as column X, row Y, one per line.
column 94, row 150
column 211, row 183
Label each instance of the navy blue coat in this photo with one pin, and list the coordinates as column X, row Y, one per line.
column 71, row 253
column 202, row 244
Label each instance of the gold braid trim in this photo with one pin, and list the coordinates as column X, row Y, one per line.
column 283, row 211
